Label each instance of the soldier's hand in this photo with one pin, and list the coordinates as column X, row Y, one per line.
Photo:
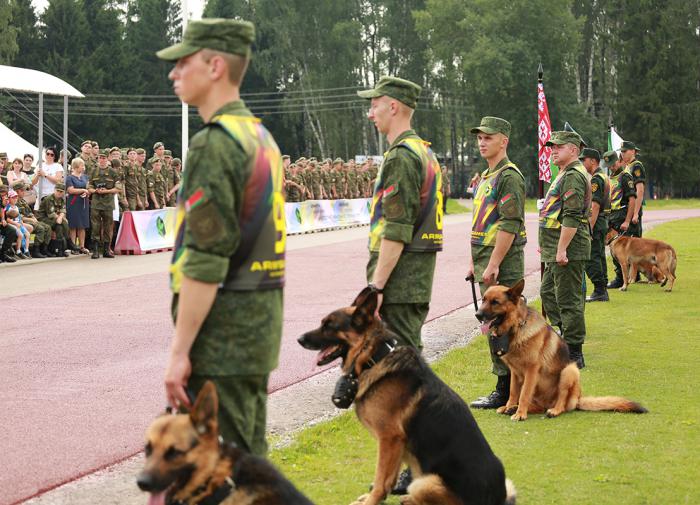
column 490, row 275
column 624, row 226
column 635, row 219
column 177, row 373
column 562, row 260
column 380, row 299
column 540, row 203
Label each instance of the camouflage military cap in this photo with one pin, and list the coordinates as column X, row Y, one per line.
column 563, row 137
column 158, row 145
column 312, row 159
column 610, row 157
column 589, row 153
column 155, row 159
column 285, row 157
column 225, row 35
column 404, row 91
column 60, row 186
column 3, row 156
column 491, row 125
column 176, row 161
column 628, row 146
column 300, row 159
column 86, row 142
column 114, row 150
column 103, row 153
column 3, row 188
column 94, row 143
column 140, row 150
column 19, row 185
column 167, row 152
column 337, row 161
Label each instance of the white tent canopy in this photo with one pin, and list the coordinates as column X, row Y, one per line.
column 33, row 81
column 14, row 145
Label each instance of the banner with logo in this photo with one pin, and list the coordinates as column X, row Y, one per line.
column 314, row 215
column 155, row 229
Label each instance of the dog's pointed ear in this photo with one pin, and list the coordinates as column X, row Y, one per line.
column 361, row 297
column 516, row 291
column 205, row 409
column 364, row 309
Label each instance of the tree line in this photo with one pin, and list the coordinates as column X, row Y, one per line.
column 633, row 63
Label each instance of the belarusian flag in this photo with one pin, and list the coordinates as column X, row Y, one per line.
column 614, row 140
column 544, row 127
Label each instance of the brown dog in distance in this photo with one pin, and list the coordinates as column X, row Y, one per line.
column 634, row 254
column 413, row 415
column 543, row 378
column 187, row 463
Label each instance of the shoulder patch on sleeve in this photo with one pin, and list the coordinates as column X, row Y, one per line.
column 594, row 187
column 637, row 172
column 568, row 194
column 206, row 224
column 630, row 184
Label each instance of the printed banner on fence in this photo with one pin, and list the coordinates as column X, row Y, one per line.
column 155, row 229
column 313, row 215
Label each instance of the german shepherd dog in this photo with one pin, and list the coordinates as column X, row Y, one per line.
column 415, row 417
column 187, row 464
column 633, row 253
column 543, row 378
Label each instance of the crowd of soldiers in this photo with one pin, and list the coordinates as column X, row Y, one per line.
column 310, row 179
column 139, row 184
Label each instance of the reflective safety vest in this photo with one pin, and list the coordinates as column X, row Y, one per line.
column 259, row 261
column 616, row 192
column 607, row 192
column 485, row 216
column 427, row 231
column 551, row 210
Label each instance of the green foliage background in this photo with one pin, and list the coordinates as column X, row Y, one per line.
column 635, row 63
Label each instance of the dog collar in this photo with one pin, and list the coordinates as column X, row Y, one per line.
column 218, row 495
column 615, row 238
column 499, row 343
column 380, row 353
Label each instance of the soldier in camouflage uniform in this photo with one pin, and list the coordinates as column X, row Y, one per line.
column 157, row 185
column 167, row 159
column 86, row 156
column 52, row 212
column 597, row 267
column 103, row 185
column 498, row 232
column 227, row 306
column 176, row 167
column 143, row 177
column 294, row 187
column 565, row 242
column 42, row 231
column 622, row 204
column 315, row 178
column 132, row 178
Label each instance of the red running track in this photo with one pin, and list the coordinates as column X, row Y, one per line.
column 83, row 380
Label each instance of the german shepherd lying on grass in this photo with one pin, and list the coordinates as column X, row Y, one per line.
column 634, row 253
column 187, row 464
column 415, row 417
column 542, row 376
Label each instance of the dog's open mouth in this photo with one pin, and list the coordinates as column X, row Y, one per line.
column 487, row 324
column 157, row 498
column 329, row 354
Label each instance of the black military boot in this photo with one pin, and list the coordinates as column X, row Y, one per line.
column 37, row 253
column 576, row 355
column 600, row 294
column 95, row 251
column 497, row 398
column 615, row 283
column 107, row 253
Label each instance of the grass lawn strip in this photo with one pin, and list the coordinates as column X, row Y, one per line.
column 643, row 345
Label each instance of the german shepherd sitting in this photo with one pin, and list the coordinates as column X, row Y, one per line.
column 415, row 417
column 634, row 253
column 187, row 464
column 542, row 376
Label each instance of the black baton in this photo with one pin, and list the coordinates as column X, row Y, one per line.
column 470, row 278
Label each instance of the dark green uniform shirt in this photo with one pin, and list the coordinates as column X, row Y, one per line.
column 411, row 280
column 242, row 332
column 598, row 196
column 107, row 178
column 574, row 214
column 639, row 174
column 50, row 207
column 512, row 220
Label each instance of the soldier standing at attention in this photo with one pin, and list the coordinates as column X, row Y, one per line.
column 86, row 156
column 103, row 185
column 634, row 167
column 227, row 307
column 498, row 232
column 132, row 179
column 157, row 185
column 597, row 266
column 565, row 242
column 622, row 204
column 143, row 177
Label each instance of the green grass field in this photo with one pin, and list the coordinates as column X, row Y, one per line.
column 644, row 344
column 676, row 203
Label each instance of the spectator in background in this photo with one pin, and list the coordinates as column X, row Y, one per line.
column 42, row 232
column 28, row 170
column 78, row 205
column 3, row 165
column 7, row 231
column 14, row 218
column 15, row 173
column 46, row 177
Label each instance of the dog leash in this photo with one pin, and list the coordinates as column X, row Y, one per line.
column 470, row 278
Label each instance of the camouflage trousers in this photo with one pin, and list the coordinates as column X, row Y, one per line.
column 242, row 408
column 597, row 266
column 406, row 320
column 563, row 299
column 101, row 223
column 61, row 230
column 42, row 231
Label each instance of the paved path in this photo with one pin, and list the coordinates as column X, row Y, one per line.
column 81, row 364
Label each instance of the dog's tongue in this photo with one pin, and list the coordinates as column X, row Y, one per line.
column 324, row 353
column 485, row 327
column 157, row 498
